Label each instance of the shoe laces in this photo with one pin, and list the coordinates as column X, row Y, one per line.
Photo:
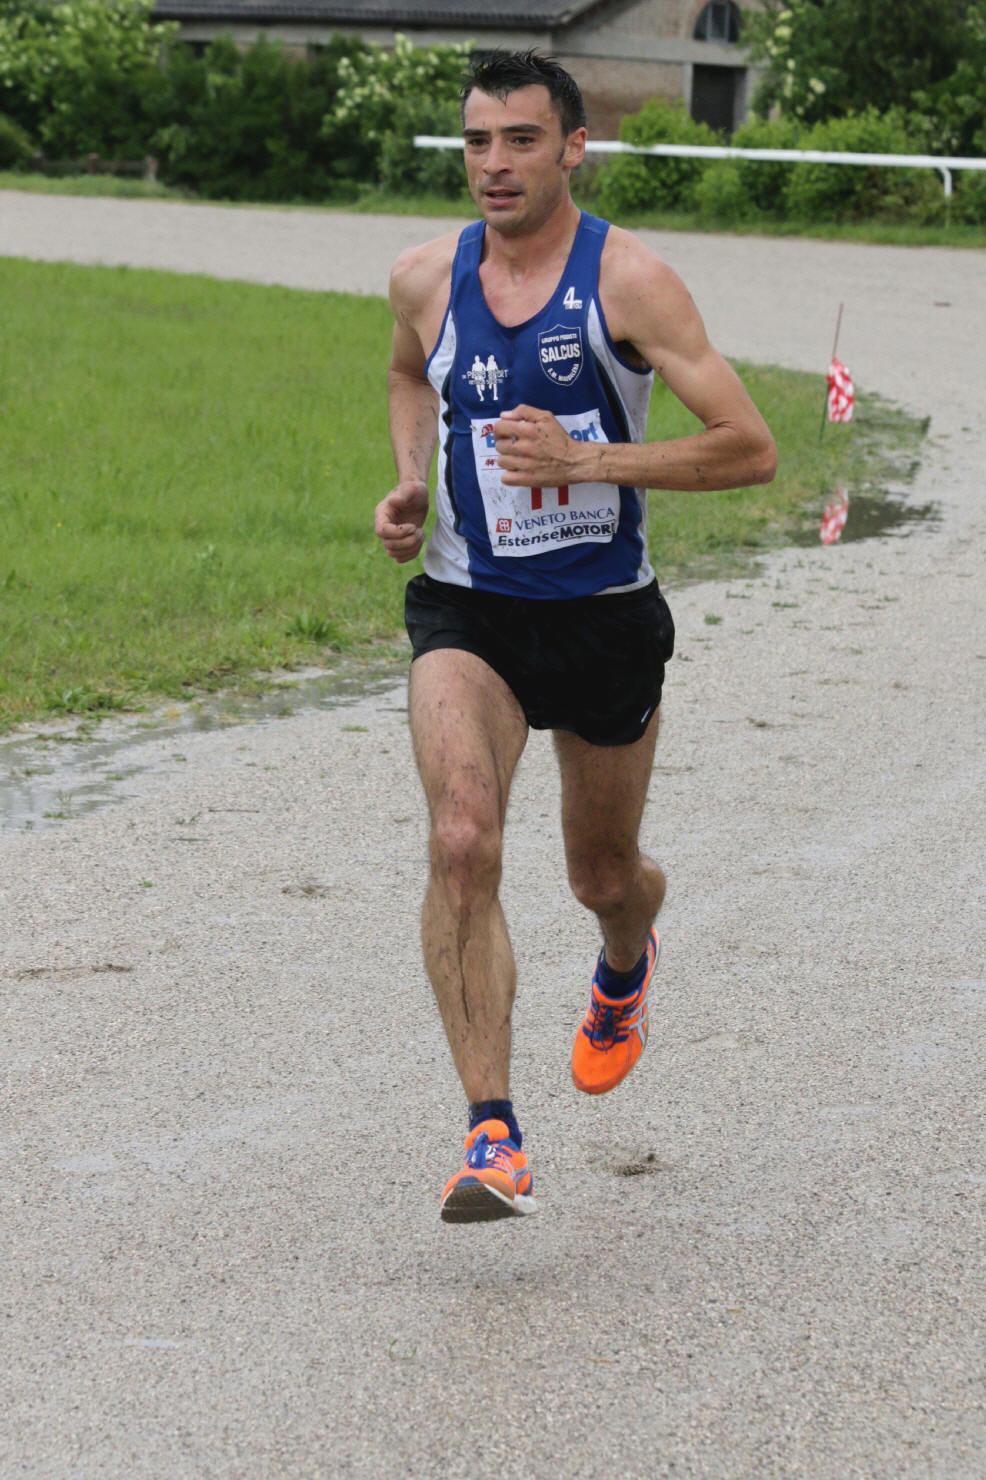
column 480, row 1156
column 606, row 1020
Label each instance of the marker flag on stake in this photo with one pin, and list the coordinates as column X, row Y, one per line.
column 841, row 394
column 835, row 516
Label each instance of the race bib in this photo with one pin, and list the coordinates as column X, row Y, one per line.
column 529, row 521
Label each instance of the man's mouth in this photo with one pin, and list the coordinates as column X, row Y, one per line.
column 500, row 194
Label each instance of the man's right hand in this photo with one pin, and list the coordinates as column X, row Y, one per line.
column 398, row 520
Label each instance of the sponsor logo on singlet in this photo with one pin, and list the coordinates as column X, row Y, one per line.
column 485, row 376
column 560, row 353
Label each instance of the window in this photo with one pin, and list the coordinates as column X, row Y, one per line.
column 718, row 21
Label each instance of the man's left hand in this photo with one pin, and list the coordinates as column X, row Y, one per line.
column 535, row 451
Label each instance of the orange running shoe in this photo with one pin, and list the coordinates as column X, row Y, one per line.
column 610, row 1038
column 494, row 1182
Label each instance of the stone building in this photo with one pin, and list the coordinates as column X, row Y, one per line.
column 621, row 52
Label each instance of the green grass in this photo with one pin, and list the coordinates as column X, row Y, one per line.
column 190, row 468
column 131, row 186
column 188, row 477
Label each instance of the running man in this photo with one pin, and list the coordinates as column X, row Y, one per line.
column 538, row 606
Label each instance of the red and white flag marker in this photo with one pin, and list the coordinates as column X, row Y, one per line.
column 835, row 516
column 840, row 391
column 839, row 398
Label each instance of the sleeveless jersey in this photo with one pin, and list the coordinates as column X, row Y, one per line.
column 540, row 542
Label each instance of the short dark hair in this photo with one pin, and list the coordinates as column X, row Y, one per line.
column 499, row 73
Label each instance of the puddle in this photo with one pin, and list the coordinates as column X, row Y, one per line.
column 872, row 513
column 56, row 774
column 59, row 774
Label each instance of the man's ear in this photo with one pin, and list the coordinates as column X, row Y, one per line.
column 574, row 150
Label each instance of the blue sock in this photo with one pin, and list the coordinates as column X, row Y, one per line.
column 497, row 1110
column 619, row 983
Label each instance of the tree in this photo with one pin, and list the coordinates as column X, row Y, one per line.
column 953, row 111
column 74, row 74
column 384, row 98
column 825, row 58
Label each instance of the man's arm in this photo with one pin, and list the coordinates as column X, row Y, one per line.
column 648, row 308
column 412, row 407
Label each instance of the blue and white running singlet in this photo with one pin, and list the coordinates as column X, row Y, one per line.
column 541, row 542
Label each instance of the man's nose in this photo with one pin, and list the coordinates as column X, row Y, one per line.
column 496, row 156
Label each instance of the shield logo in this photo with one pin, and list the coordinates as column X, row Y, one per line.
column 560, row 353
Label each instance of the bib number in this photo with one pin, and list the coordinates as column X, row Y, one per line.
column 530, row 521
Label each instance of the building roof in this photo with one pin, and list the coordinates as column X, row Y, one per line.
column 526, row 14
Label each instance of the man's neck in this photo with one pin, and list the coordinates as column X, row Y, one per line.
column 530, row 251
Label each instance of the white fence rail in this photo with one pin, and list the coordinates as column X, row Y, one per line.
column 944, row 164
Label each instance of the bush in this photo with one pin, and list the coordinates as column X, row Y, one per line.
column 969, row 198
column 765, row 181
column 405, row 170
column 384, row 97
column 852, row 192
column 93, row 76
column 246, row 125
column 634, row 182
column 741, row 191
column 15, row 146
column 75, row 74
column 721, row 197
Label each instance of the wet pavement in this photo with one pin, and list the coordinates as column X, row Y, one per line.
column 64, row 770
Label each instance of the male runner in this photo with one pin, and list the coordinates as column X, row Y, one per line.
column 527, row 344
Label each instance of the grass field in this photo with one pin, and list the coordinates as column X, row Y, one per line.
column 190, row 468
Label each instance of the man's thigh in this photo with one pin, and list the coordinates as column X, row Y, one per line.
column 468, row 732
column 603, row 790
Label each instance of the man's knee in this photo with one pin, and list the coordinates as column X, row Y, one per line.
column 465, row 850
column 602, row 883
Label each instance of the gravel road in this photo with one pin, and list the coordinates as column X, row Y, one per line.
column 228, row 1108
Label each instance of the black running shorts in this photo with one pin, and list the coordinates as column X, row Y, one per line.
column 591, row 664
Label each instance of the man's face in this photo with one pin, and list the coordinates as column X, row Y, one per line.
column 517, row 159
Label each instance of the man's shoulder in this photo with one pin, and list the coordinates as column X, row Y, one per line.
column 420, row 271
column 625, row 254
column 633, row 276
column 644, row 301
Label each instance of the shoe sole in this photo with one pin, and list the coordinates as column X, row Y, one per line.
column 478, row 1203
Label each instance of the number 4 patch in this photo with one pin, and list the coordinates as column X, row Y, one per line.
column 570, row 300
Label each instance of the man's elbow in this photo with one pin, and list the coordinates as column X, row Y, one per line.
column 758, row 455
column 751, row 453
column 400, row 377
column 765, row 460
